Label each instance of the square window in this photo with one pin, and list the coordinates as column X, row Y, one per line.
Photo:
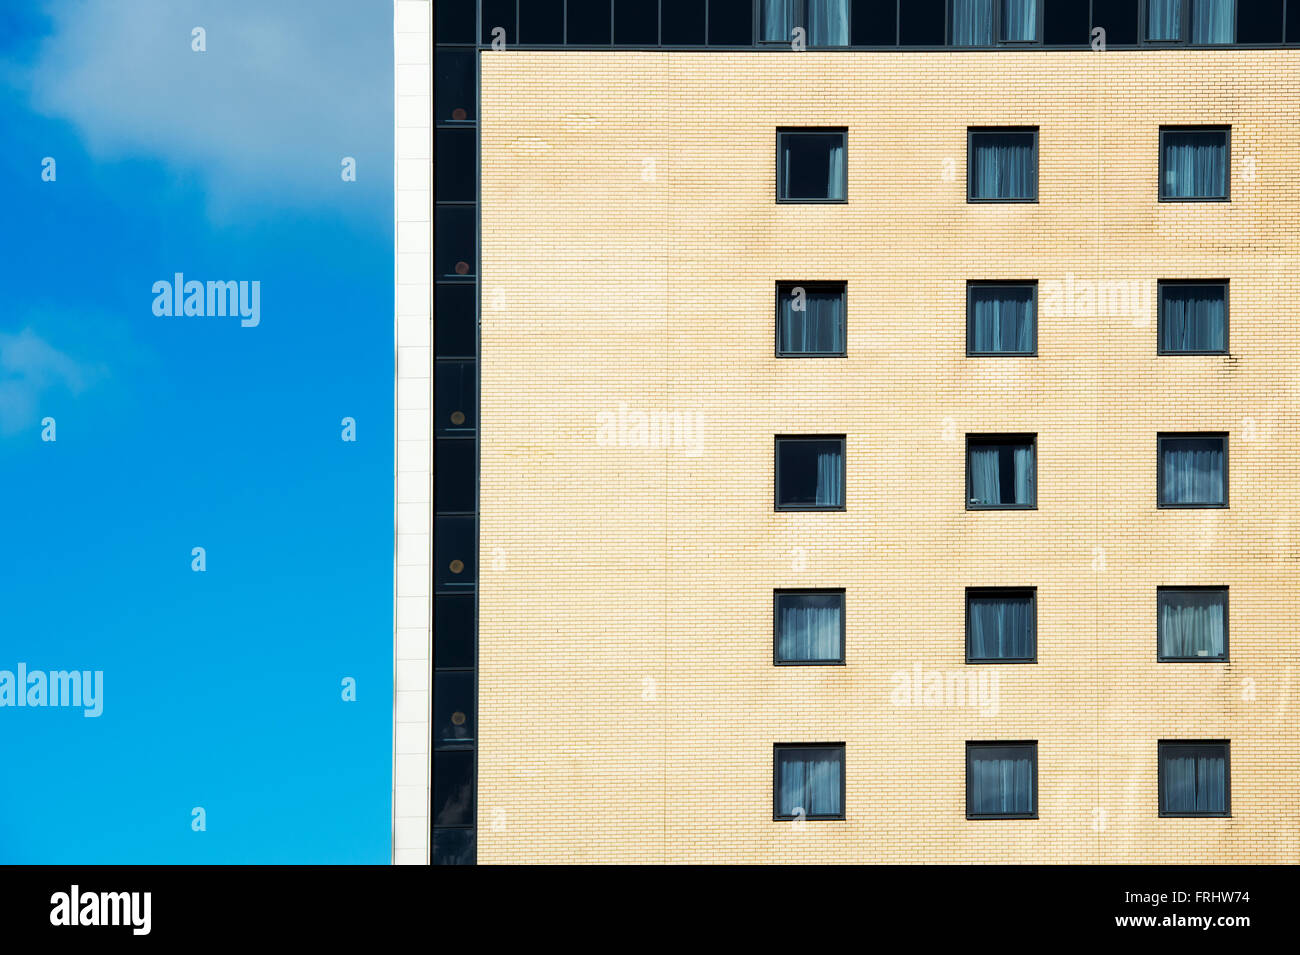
column 1193, row 624
column 808, row 781
column 1002, row 165
column 1212, row 20
column 1002, row 780
column 1001, row 471
column 875, row 23
column 1164, row 21
column 1259, row 21
column 808, row 626
column 1066, row 23
column 1119, row 18
column 921, row 23
column 541, row 22
column 731, row 22
column 972, row 22
column 825, row 22
column 588, row 23
column 810, row 165
column 1001, row 625
column 1193, row 318
column 1193, row 470
column 810, row 473
column 1018, row 21
column 636, row 23
column 810, row 319
column 682, row 22
column 1194, row 163
column 1194, row 778
column 1001, row 318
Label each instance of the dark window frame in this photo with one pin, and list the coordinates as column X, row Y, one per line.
column 1227, row 778
column 998, row 43
column 971, row 133
column 779, row 592
column 1226, row 129
column 1162, row 284
column 1203, row 588
column 762, row 44
column 842, row 438
column 776, row 782
column 1031, row 592
column 819, row 285
column 997, row 437
column 970, row 315
column 1161, row 437
column 1185, row 29
column 973, row 745
column 824, row 130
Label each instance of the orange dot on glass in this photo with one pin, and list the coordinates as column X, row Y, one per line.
column 462, row 268
column 457, row 566
column 458, row 113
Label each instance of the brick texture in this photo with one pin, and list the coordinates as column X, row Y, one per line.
column 630, row 247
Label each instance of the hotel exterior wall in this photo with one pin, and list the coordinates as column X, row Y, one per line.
column 630, row 248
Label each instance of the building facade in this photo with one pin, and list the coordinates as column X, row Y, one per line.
column 862, row 436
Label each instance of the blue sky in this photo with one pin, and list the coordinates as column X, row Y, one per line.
column 222, row 689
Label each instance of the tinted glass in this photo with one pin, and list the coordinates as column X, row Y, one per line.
column 455, row 164
column 454, row 475
column 921, row 22
column 1119, row 18
column 452, row 801
column 453, row 638
column 1065, row 22
column 636, row 22
column 731, row 22
column 499, row 13
column 683, row 22
column 588, row 22
column 541, row 21
column 455, row 553
column 810, row 473
column 455, row 397
column 453, row 847
column 875, row 23
column 454, row 86
column 454, row 21
column 453, row 247
column 454, row 322
column 453, row 709
column 1259, row 21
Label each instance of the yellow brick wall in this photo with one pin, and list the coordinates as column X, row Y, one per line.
column 630, row 247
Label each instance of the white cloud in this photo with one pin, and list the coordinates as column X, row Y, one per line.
column 30, row 368
column 284, row 91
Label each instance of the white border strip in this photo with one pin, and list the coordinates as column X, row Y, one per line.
column 413, row 480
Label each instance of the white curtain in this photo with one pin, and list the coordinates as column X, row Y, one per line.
column 811, row 780
column 809, row 627
column 985, row 476
column 1164, row 19
column 1001, row 784
column 1193, row 318
column 1191, row 624
column 830, row 477
column 1002, row 320
column 972, row 22
column 1004, row 166
column 1024, row 464
column 835, row 173
column 828, row 22
column 1195, row 781
column 1196, row 165
column 1193, row 472
column 817, row 328
column 1019, row 20
column 1212, row 21
column 780, row 17
column 1001, row 627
